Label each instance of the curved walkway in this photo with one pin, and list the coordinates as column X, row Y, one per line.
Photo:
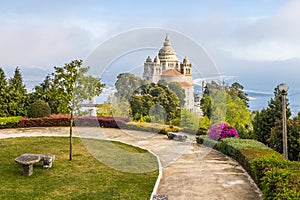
column 189, row 170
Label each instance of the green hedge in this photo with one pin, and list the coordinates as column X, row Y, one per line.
column 151, row 127
column 276, row 177
column 9, row 122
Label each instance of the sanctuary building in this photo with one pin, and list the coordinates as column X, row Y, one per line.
column 166, row 66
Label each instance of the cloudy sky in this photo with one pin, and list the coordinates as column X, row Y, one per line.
column 255, row 42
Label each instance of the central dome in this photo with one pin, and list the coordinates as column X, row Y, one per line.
column 167, row 51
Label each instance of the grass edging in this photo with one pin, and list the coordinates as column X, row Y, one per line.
column 276, row 177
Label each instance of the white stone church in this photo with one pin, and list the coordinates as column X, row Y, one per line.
column 167, row 66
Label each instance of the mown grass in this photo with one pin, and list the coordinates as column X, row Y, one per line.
column 83, row 178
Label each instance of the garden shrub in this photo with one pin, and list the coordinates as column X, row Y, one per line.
column 64, row 120
column 221, row 130
column 152, row 127
column 205, row 140
column 280, row 184
column 39, row 109
column 9, row 122
column 104, row 122
column 276, row 177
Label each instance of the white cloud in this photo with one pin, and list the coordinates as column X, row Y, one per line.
column 46, row 43
column 271, row 38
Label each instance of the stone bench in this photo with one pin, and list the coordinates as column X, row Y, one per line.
column 176, row 136
column 27, row 161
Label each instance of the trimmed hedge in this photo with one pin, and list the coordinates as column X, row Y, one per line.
column 9, row 122
column 276, row 177
column 64, row 120
column 104, row 122
column 151, row 127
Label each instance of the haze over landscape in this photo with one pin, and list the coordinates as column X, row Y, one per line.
column 255, row 43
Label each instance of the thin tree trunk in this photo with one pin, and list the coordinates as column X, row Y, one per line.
column 71, row 135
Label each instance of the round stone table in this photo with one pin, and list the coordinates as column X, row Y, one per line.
column 27, row 162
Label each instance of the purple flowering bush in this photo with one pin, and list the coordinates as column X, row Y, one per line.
column 222, row 130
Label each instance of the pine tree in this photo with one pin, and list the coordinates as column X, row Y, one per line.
column 18, row 97
column 3, row 95
column 265, row 120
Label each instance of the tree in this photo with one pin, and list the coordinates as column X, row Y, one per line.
column 39, row 109
column 177, row 89
column 238, row 115
column 236, row 91
column 227, row 104
column 293, row 131
column 4, row 98
column 108, row 109
column 265, row 120
column 128, row 84
column 189, row 120
column 167, row 99
column 18, row 97
column 72, row 87
column 46, row 91
column 213, row 103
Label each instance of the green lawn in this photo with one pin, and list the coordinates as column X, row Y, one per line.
column 83, row 178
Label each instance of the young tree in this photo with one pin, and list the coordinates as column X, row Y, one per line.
column 18, row 97
column 72, row 87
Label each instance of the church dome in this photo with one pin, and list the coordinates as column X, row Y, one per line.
column 167, row 50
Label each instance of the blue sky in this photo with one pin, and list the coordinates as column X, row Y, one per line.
column 254, row 42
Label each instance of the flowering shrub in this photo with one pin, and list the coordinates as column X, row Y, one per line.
column 221, row 130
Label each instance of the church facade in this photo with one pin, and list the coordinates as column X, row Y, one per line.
column 166, row 66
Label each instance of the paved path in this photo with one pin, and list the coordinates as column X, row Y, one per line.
column 189, row 170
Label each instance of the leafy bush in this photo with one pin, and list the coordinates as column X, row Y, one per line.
column 39, row 109
column 221, row 130
column 9, row 122
column 205, row 140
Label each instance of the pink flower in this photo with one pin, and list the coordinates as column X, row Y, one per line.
column 222, row 130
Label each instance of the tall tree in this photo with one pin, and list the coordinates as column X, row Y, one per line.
column 265, row 120
column 46, row 91
column 128, row 84
column 238, row 115
column 177, row 89
column 18, row 101
column 293, row 131
column 72, row 87
column 4, row 99
column 236, row 91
